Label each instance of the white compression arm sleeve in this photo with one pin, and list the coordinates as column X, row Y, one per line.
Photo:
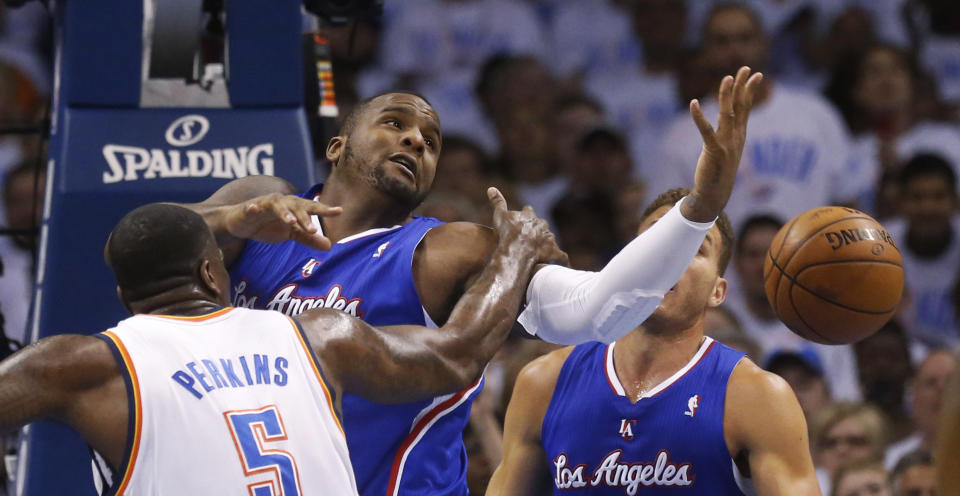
column 566, row 306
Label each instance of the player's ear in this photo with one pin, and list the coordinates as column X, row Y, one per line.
column 208, row 279
column 719, row 293
column 335, row 149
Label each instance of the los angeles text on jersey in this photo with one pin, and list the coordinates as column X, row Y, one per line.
column 286, row 301
column 612, row 472
column 203, row 376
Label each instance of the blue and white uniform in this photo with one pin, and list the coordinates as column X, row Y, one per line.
column 231, row 402
column 409, row 449
column 598, row 441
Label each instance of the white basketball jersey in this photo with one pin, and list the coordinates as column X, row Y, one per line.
column 226, row 403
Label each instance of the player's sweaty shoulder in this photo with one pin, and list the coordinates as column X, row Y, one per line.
column 249, row 187
column 72, row 362
column 446, row 261
column 753, row 395
column 538, row 379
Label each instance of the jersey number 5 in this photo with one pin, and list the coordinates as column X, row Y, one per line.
column 251, row 430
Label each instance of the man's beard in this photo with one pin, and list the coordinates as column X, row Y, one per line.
column 397, row 189
column 400, row 191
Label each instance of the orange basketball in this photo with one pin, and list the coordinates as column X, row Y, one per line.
column 833, row 275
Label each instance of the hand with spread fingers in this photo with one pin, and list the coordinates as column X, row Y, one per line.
column 534, row 232
column 722, row 148
column 277, row 217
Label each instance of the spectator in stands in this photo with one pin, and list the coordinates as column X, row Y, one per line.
column 721, row 325
column 747, row 300
column 518, row 94
column 937, row 36
column 803, row 371
column 914, row 475
column 926, row 391
column 860, row 478
column 586, row 229
column 796, row 153
column 642, row 96
column 884, row 368
column 439, row 48
column 843, row 433
column 23, row 199
column 591, row 37
column 463, row 175
column 879, row 95
column 928, row 235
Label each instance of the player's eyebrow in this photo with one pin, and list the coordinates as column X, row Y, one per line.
column 403, row 109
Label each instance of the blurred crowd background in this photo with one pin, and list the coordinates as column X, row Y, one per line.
column 579, row 108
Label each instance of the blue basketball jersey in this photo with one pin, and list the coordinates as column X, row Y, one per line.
column 597, row 441
column 410, row 449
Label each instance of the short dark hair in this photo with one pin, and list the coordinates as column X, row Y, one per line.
column 912, row 459
column 756, row 222
column 156, row 247
column 351, row 120
column 671, row 197
column 732, row 5
column 925, row 165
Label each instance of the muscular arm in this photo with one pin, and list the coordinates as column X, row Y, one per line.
column 263, row 208
column 762, row 420
column 403, row 363
column 524, row 460
column 948, row 439
column 72, row 379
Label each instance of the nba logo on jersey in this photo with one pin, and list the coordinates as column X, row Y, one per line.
column 692, row 404
column 626, row 429
column 309, row 267
column 380, row 249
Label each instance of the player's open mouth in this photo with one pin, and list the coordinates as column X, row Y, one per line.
column 407, row 163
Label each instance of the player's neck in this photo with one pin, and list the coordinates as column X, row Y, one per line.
column 363, row 209
column 644, row 359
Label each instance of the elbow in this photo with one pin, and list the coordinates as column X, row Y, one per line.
column 465, row 372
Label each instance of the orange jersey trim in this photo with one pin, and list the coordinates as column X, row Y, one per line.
column 138, row 411
column 194, row 318
column 313, row 363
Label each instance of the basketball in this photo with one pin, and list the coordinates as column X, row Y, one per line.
column 833, row 275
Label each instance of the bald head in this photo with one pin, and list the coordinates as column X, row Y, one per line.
column 157, row 247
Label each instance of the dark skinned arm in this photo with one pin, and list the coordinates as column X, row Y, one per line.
column 72, row 379
column 263, row 208
column 405, row 363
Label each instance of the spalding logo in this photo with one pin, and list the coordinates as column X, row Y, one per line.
column 187, row 130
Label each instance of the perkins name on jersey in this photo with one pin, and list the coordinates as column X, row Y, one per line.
column 243, row 371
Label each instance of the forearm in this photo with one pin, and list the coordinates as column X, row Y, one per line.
column 483, row 317
column 565, row 306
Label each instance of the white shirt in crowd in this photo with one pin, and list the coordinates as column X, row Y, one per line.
column 796, row 157
column 839, row 362
column 639, row 103
column 926, row 137
column 929, row 314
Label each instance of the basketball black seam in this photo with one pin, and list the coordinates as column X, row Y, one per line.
column 800, row 315
column 792, row 224
column 776, row 292
column 841, row 305
column 794, row 305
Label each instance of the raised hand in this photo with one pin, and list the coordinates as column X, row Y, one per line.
column 523, row 229
column 720, row 156
column 276, row 217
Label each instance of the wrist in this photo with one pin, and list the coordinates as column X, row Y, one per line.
column 694, row 209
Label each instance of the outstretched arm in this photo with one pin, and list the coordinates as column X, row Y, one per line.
column 403, row 363
column 948, row 439
column 762, row 419
column 263, row 208
column 70, row 378
column 571, row 307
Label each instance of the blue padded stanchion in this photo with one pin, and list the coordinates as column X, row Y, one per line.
column 108, row 155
